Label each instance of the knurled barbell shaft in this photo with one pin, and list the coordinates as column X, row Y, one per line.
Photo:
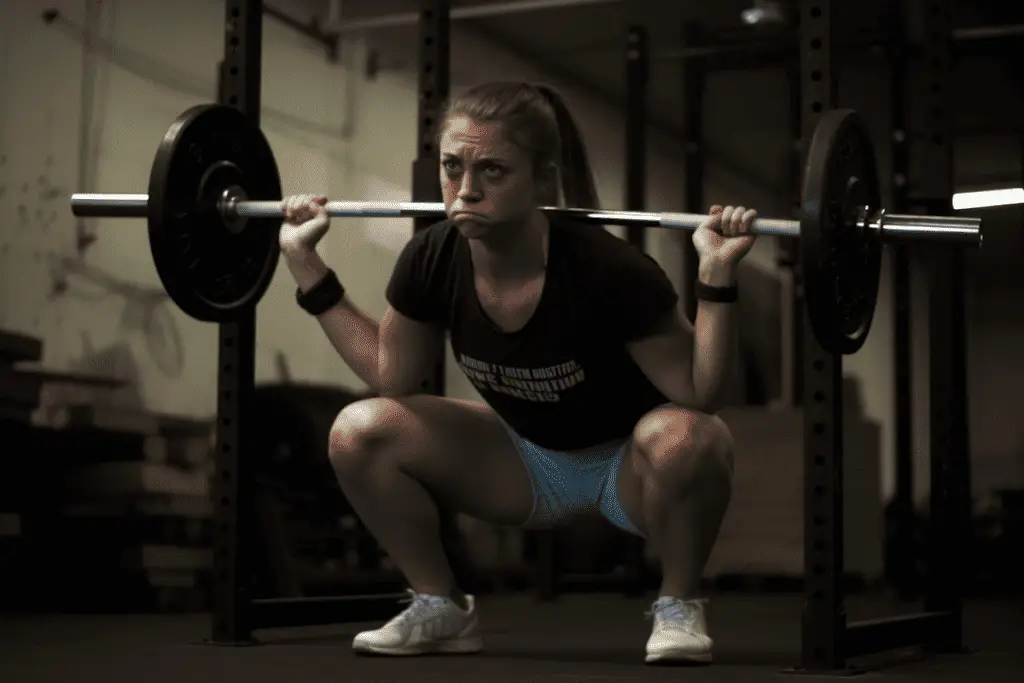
column 761, row 226
column 893, row 227
column 135, row 206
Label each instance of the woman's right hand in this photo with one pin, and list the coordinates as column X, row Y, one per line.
column 305, row 222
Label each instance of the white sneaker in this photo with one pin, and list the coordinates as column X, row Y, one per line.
column 680, row 632
column 431, row 624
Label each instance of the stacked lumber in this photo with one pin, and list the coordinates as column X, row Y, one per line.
column 20, row 393
column 314, row 544
column 137, row 516
column 19, row 390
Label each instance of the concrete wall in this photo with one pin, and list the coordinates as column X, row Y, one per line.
column 89, row 120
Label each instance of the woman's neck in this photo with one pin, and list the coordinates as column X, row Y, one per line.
column 523, row 253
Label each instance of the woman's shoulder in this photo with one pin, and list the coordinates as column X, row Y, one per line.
column 601, row 250
column 437, row 239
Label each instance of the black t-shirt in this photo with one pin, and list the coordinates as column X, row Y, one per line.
column 565, row 380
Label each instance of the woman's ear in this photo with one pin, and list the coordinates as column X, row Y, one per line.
column 549, row 185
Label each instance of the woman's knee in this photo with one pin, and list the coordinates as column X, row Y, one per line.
column 681, row 443
column 363, row 433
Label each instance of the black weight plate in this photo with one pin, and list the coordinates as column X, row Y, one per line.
column 209, row 271
column 842, row 262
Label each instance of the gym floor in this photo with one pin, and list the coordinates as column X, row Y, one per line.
column 580, row 638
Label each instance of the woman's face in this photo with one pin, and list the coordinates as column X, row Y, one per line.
column 487, row 181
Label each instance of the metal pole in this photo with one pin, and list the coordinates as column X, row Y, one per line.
column 695, row 74
column 900, row 548
column 824, row 617
column 988, row 32
column 765, row 49
column 476, row 12
column 233, row 484
column 637, row 48
column 434, row 85
column 791, row 305
column 948, row 551
column 637, row 72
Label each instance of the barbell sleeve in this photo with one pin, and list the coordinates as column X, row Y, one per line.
column 109, row 205
column 931, row 229
column 892, row 227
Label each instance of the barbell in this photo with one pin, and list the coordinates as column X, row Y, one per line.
column 214, row 209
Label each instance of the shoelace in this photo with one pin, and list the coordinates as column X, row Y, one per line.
column 676, row 611
column 418, row 603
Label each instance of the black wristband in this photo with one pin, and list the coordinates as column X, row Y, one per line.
column 323, row 296
column 717, row 295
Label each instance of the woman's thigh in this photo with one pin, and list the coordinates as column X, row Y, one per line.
column 458, row 450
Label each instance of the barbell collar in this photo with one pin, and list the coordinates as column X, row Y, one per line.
column 960, row 230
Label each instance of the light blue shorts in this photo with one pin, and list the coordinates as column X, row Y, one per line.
column 567, row 485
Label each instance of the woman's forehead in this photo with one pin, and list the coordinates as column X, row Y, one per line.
column 486, row 137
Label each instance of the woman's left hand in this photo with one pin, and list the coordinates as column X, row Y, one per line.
column 724, row 238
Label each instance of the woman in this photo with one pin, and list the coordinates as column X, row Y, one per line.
column 599, row 395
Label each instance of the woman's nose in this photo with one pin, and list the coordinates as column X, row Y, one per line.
column 469, row 188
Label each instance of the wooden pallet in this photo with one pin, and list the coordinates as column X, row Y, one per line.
column 134, row 481
column 17, row 348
